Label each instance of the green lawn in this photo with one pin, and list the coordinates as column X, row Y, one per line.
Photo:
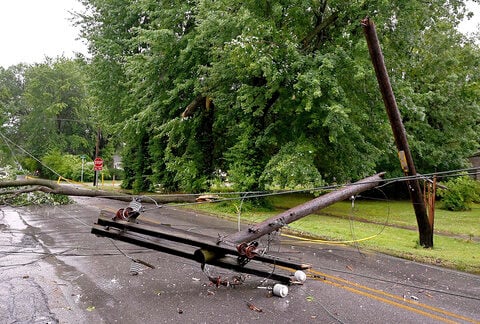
column 388, row 227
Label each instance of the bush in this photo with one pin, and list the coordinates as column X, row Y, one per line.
column 460, row 193
column 66, row 165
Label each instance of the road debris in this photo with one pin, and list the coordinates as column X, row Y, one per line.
column 135, row 268
column 280, row 290
column 300, row 276
column 254, row 308
column 218, row 280
column 227, row 282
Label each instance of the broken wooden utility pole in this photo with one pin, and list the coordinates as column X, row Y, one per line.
column 243, row 239
column 424, row 227
column 230, row 252
column 300, row 211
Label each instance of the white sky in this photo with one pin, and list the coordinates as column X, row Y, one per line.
column 31, row 30
column 471, row 25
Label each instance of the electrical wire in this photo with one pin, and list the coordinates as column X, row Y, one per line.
column 29, row 154
column 261, row 194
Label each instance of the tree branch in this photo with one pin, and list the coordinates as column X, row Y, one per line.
column 53, row 187
column 199, row 101
column 319, row 28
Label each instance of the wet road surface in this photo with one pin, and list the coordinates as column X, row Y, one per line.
column 53, row 270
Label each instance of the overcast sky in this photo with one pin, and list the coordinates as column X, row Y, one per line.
column 31, row 30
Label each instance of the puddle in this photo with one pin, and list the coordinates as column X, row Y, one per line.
column 13, row 220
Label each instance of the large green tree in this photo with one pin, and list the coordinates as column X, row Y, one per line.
column 45, row 109
column 278, row 93
column 55, row 94
column 11, row 105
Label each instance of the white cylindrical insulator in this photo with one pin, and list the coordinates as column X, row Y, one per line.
column 300, row 276
column 280, row 290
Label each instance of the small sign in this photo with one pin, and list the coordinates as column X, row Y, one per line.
column 98, row 164
column 403, row 161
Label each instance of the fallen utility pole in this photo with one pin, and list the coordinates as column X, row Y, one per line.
column 231, row 252
column 425, row 228
column 300, row 211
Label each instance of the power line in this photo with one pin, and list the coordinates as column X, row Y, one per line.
column 29, row 154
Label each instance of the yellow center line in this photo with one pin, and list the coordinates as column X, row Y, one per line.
column 413, row 306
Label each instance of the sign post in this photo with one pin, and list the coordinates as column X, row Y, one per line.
column 83, row 157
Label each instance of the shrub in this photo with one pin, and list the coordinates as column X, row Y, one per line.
column 66, row 165
column 460, row 193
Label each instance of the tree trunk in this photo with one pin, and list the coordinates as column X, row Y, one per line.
column 53, row 187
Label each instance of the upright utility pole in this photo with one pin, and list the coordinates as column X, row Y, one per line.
column 406, row 161
column 97, row 152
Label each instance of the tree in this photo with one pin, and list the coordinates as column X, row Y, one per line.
column 11, row 106
column 57, row 116
column 207, row 85
column 45, row 109
column 435, row 76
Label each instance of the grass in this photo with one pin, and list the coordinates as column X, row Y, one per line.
column 386, row 227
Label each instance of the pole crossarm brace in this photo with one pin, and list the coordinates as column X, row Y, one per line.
column 193, row 246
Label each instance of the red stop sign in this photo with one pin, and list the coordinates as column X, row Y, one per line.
column 98, row 164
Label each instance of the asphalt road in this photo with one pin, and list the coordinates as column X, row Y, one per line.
column 53, row 270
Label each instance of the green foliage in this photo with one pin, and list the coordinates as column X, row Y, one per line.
column 263, row 79
column 57, row 117
column 117, row 173
column 460, row 193
column 7, row 173
column 29, row 198
column 11, row 89
column 34, row 198
column 292, row 168
column 30, row 164
column 136, row 162
column 45, row 108
column 55, row 164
